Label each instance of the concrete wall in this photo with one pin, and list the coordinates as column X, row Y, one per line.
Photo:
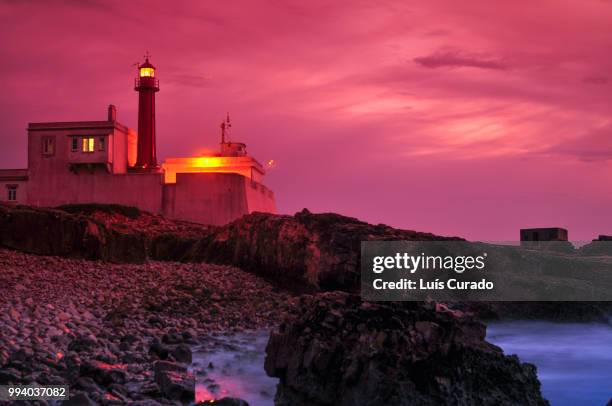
column 259, row 197
column 14, row 178
column 544, row 234
column 208, row 198
column 132, row 189
column 215, row 198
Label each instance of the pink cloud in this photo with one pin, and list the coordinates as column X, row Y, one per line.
column 510, row 130
column 457, row 58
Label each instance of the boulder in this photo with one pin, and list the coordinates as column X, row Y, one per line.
column 174, row 381
column 338, row 350
column 104, row 373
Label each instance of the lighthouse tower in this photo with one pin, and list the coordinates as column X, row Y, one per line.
column 146, row 84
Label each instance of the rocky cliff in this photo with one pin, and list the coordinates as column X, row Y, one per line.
column 337, row 350
column 318, row 251
column 56, row 232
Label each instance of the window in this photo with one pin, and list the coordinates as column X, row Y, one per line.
column 75, row 144
column 12, row 192
column 88, row 144
column 48, row 146
column 147, row 72
column 101, row 143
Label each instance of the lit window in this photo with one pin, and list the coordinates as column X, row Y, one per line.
column 147, row 72
column 88, row 144
column 48, row 145
column 101, row 144
column 12, row 192
column 75, row 144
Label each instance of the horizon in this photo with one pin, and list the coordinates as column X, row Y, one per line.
column 476, row 120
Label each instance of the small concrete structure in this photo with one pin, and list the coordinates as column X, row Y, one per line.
column 107, row 162
column 544, row 234
column 14, row 185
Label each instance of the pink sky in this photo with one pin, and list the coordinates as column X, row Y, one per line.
column 465, row 118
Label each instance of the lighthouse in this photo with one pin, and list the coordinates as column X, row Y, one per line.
column 107, row 162
column 146, row 84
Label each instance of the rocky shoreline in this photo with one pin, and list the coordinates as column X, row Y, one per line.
column 335, row 349
column 111, row 300
column 120, row 334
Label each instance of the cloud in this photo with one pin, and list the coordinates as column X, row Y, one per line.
column 595, row 80
column 593, row 146
column 457, row 59
column 185, row 79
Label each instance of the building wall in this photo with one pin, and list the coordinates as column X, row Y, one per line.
column 68, row 176
column 208, row 198
column 259, row 197
column 215, row 198
column 544, row 234
column 17, row 179
column 75, row 177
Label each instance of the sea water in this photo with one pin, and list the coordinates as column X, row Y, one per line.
column 574, row 360
column 233, row 365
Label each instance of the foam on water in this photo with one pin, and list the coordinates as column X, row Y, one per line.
column 237, row 369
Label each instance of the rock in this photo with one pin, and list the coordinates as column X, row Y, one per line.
column 14, row 314
column 181, row 353
column 104, row 373
column 357, row 353
column 79, row 399
column 87, row 384
column 46, row 231
column 9, row 376
column 83, row 343
column 318, row 251
column 174, row 381
column 172, row 338
column 160, row 350
column 23, row 354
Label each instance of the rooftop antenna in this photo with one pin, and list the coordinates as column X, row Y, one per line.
column 147, row 55
column 225, row 126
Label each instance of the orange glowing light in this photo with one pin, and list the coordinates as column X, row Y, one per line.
column 147, row 72
column 59, row 355
column 242, row 165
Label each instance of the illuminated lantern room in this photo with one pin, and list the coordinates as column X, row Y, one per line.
column 146, row 69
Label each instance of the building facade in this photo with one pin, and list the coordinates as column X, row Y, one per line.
column 544, row 234
column 107, row 162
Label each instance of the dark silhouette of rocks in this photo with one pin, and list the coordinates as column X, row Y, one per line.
column 337, row 350
column 310, row 251
column 101, row 325
column 174, row 381
column 55, row 232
